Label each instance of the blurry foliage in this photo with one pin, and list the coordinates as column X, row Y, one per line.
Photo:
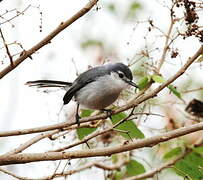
column 172, row 153
column 119, row 15
column 91, row 42
column 132, row 10
column 142, row 83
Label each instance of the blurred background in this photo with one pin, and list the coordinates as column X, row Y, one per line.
column 115, row 31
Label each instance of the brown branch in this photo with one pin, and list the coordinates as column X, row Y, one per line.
column 192, row 90
column 7, row 50
column 135, row 102
column 166, row 44
column 48, row 38
column 13, row 175
column 32, row 141
column 50, row 156
column 103, row 166
column 41, row 136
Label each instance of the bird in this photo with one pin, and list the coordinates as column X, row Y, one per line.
column 95, row 89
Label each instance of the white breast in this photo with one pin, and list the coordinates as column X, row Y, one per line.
column 101, row 93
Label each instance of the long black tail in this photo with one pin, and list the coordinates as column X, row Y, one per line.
column 48, row 83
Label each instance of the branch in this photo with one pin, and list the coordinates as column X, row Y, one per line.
column 50, row 156
column 32, row 141
column 156, row 170
column 7, row 50
column 25, row 54
column 116, row 166
column 129, row 105
column 166, row 44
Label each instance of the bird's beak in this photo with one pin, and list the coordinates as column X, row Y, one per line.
column 132, row 83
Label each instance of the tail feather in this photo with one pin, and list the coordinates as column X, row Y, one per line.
column 48, row 83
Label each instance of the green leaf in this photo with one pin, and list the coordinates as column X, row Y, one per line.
column 158, row 79
column 91, row 42
column 174, row 91
column 174, row 152
column 191, row 166
column 128, row 126
column 86, row 113
column 198, row 150
column 111, row 7
column 114, row 158
column 82, row 132
column 118, row 175
column 143, row 82
column 134, row 168
column 134, row 6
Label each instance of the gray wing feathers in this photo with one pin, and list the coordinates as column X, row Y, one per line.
column 84, row 78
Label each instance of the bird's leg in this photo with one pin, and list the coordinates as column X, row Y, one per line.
column 77, row 117
column 108, row 112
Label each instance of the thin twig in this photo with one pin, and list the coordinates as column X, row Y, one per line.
column 32, row 141
column 166, row 44
column 192, row 90
column 48, row 38
column 17, row 14
column 7, row 50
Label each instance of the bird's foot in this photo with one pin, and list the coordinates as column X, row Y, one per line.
column 108, row 112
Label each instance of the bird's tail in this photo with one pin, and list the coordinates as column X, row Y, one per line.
column 48, row 83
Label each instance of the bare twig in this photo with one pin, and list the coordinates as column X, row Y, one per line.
column 17, row 14
column 48, row 38
column 14, row 175
column 50, row 156
column 166, row 44
column 192, row 90
column 32, row 141
column 6, row 46
column 103, row 166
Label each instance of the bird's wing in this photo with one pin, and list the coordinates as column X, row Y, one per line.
column 82, row 80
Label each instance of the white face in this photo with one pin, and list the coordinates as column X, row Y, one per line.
column 119, row 80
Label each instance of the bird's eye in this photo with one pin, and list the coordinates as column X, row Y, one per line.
column 121, row 75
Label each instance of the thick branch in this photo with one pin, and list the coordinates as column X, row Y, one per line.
column 49, row 156
column 47, row 39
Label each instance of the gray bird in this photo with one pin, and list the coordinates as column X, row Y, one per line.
column 97, row 88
